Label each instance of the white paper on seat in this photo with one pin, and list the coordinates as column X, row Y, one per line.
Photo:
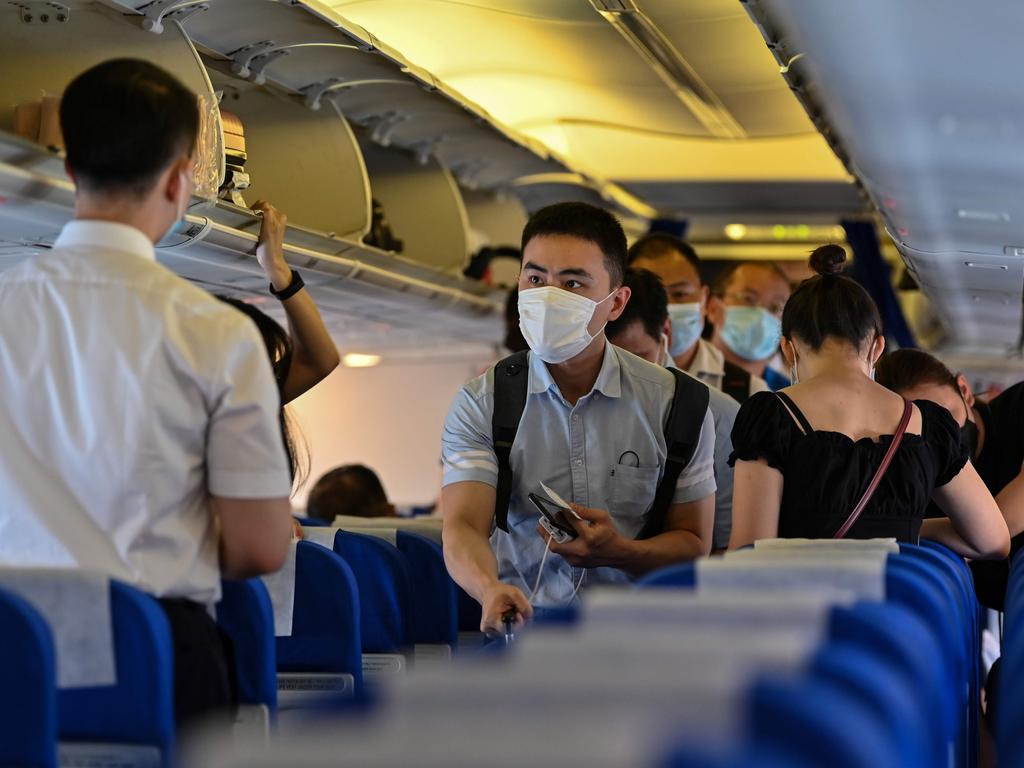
column 429, row 527
column 320, row 535
column 76, row 605
column 390, row 535
column 829, row 545
column 281, row 586
column 864, row 576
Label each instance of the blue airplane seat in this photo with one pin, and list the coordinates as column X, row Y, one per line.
column 382, row 574
column 874, row 681
column 246, row 615
column 681, row 575
column 815, row 722
column 138, row 710
column 28, row 706
column 326, row 636
column 434, row 601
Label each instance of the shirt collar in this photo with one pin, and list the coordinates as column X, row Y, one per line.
column 609, row 378
column 709, row 360
column 108, row 235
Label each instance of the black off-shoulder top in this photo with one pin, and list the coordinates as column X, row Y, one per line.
column 826, row 473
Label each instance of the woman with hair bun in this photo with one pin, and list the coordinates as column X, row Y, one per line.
column 806, row 456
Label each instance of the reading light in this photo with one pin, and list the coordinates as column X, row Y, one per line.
column 358, row 360
column 735, row 231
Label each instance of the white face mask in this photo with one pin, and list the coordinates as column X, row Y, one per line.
column 555, row 322
column 665, row 357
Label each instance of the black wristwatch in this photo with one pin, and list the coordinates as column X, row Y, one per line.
column 293, row 287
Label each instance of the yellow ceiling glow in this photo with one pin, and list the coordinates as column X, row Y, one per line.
column 561, row 74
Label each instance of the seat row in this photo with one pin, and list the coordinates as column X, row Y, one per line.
column 791, row 653
column 87, row 672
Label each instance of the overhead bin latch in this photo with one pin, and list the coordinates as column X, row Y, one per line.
column 242, row 58
column 42, row 12
column 191, row 232
column 175, row 10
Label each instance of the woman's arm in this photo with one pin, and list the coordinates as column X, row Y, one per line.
column 314, row 354
column 756, row 499
column 976, row 528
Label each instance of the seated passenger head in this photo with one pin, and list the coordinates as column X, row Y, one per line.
column 746, row 309
column 918, row 376
column 643, row 328
column 830, row 314
column 130, row 129
column 350, row 491
column 678, row 266
column 570, row 286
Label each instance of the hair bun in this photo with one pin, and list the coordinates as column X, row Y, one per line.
column 828, row 259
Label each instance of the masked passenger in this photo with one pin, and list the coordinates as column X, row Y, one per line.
column 592, row 430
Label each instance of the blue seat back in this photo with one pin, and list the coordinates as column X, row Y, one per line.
column 875, row 682
column 28, row 704
column 817, row 723
column 681, row 575
column 246, row 615
column 325, row 617
column 139, row 708
column 384, row 590
column 434, row 603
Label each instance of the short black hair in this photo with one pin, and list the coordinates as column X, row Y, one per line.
column 659, row 244
column 721, row 283
column 906, row 369
column 587, row 222
column 352, row 490
column 830, row 306
column 648, row 303
column 124, row 121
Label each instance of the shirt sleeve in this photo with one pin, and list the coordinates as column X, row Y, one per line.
column 467, row 452
column 245, row 455
column 697, row 479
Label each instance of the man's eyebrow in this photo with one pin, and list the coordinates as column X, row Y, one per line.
column 576, row 272
column 535, row 267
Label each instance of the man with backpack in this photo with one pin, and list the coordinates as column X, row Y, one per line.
column 628, row 444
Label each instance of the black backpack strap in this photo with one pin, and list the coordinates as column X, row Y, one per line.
column 511, row 382
column 682, row 434
column 736, row 382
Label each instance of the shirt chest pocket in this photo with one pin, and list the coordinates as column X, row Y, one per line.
column 632, row 493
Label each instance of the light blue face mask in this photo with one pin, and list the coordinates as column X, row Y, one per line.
column 752, row 333
column 687, row 324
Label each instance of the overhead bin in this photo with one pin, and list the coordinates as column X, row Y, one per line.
column 933, row 138
column 423, row 206
column 305, row 161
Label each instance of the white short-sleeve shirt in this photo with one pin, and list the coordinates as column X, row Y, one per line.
column 129, row 396
column 606, row 452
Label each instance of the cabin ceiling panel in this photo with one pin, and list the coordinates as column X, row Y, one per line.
column 560, row 73
column 924, row 100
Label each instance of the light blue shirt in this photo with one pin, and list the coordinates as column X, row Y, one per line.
column 585, row 453
column 724, row 410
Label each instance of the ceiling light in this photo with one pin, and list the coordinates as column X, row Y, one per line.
column 735, row 231
column 649, row 41
column 357, row 360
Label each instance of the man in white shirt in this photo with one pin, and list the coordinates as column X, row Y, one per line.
column 678, row 266
column 141, row 434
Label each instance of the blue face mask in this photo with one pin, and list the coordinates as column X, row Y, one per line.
column 751, row 332
column 687, row 324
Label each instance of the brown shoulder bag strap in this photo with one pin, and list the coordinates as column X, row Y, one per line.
column 908, row 410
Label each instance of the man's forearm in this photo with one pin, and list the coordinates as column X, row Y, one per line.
column 469, row 558
column 642, row 556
